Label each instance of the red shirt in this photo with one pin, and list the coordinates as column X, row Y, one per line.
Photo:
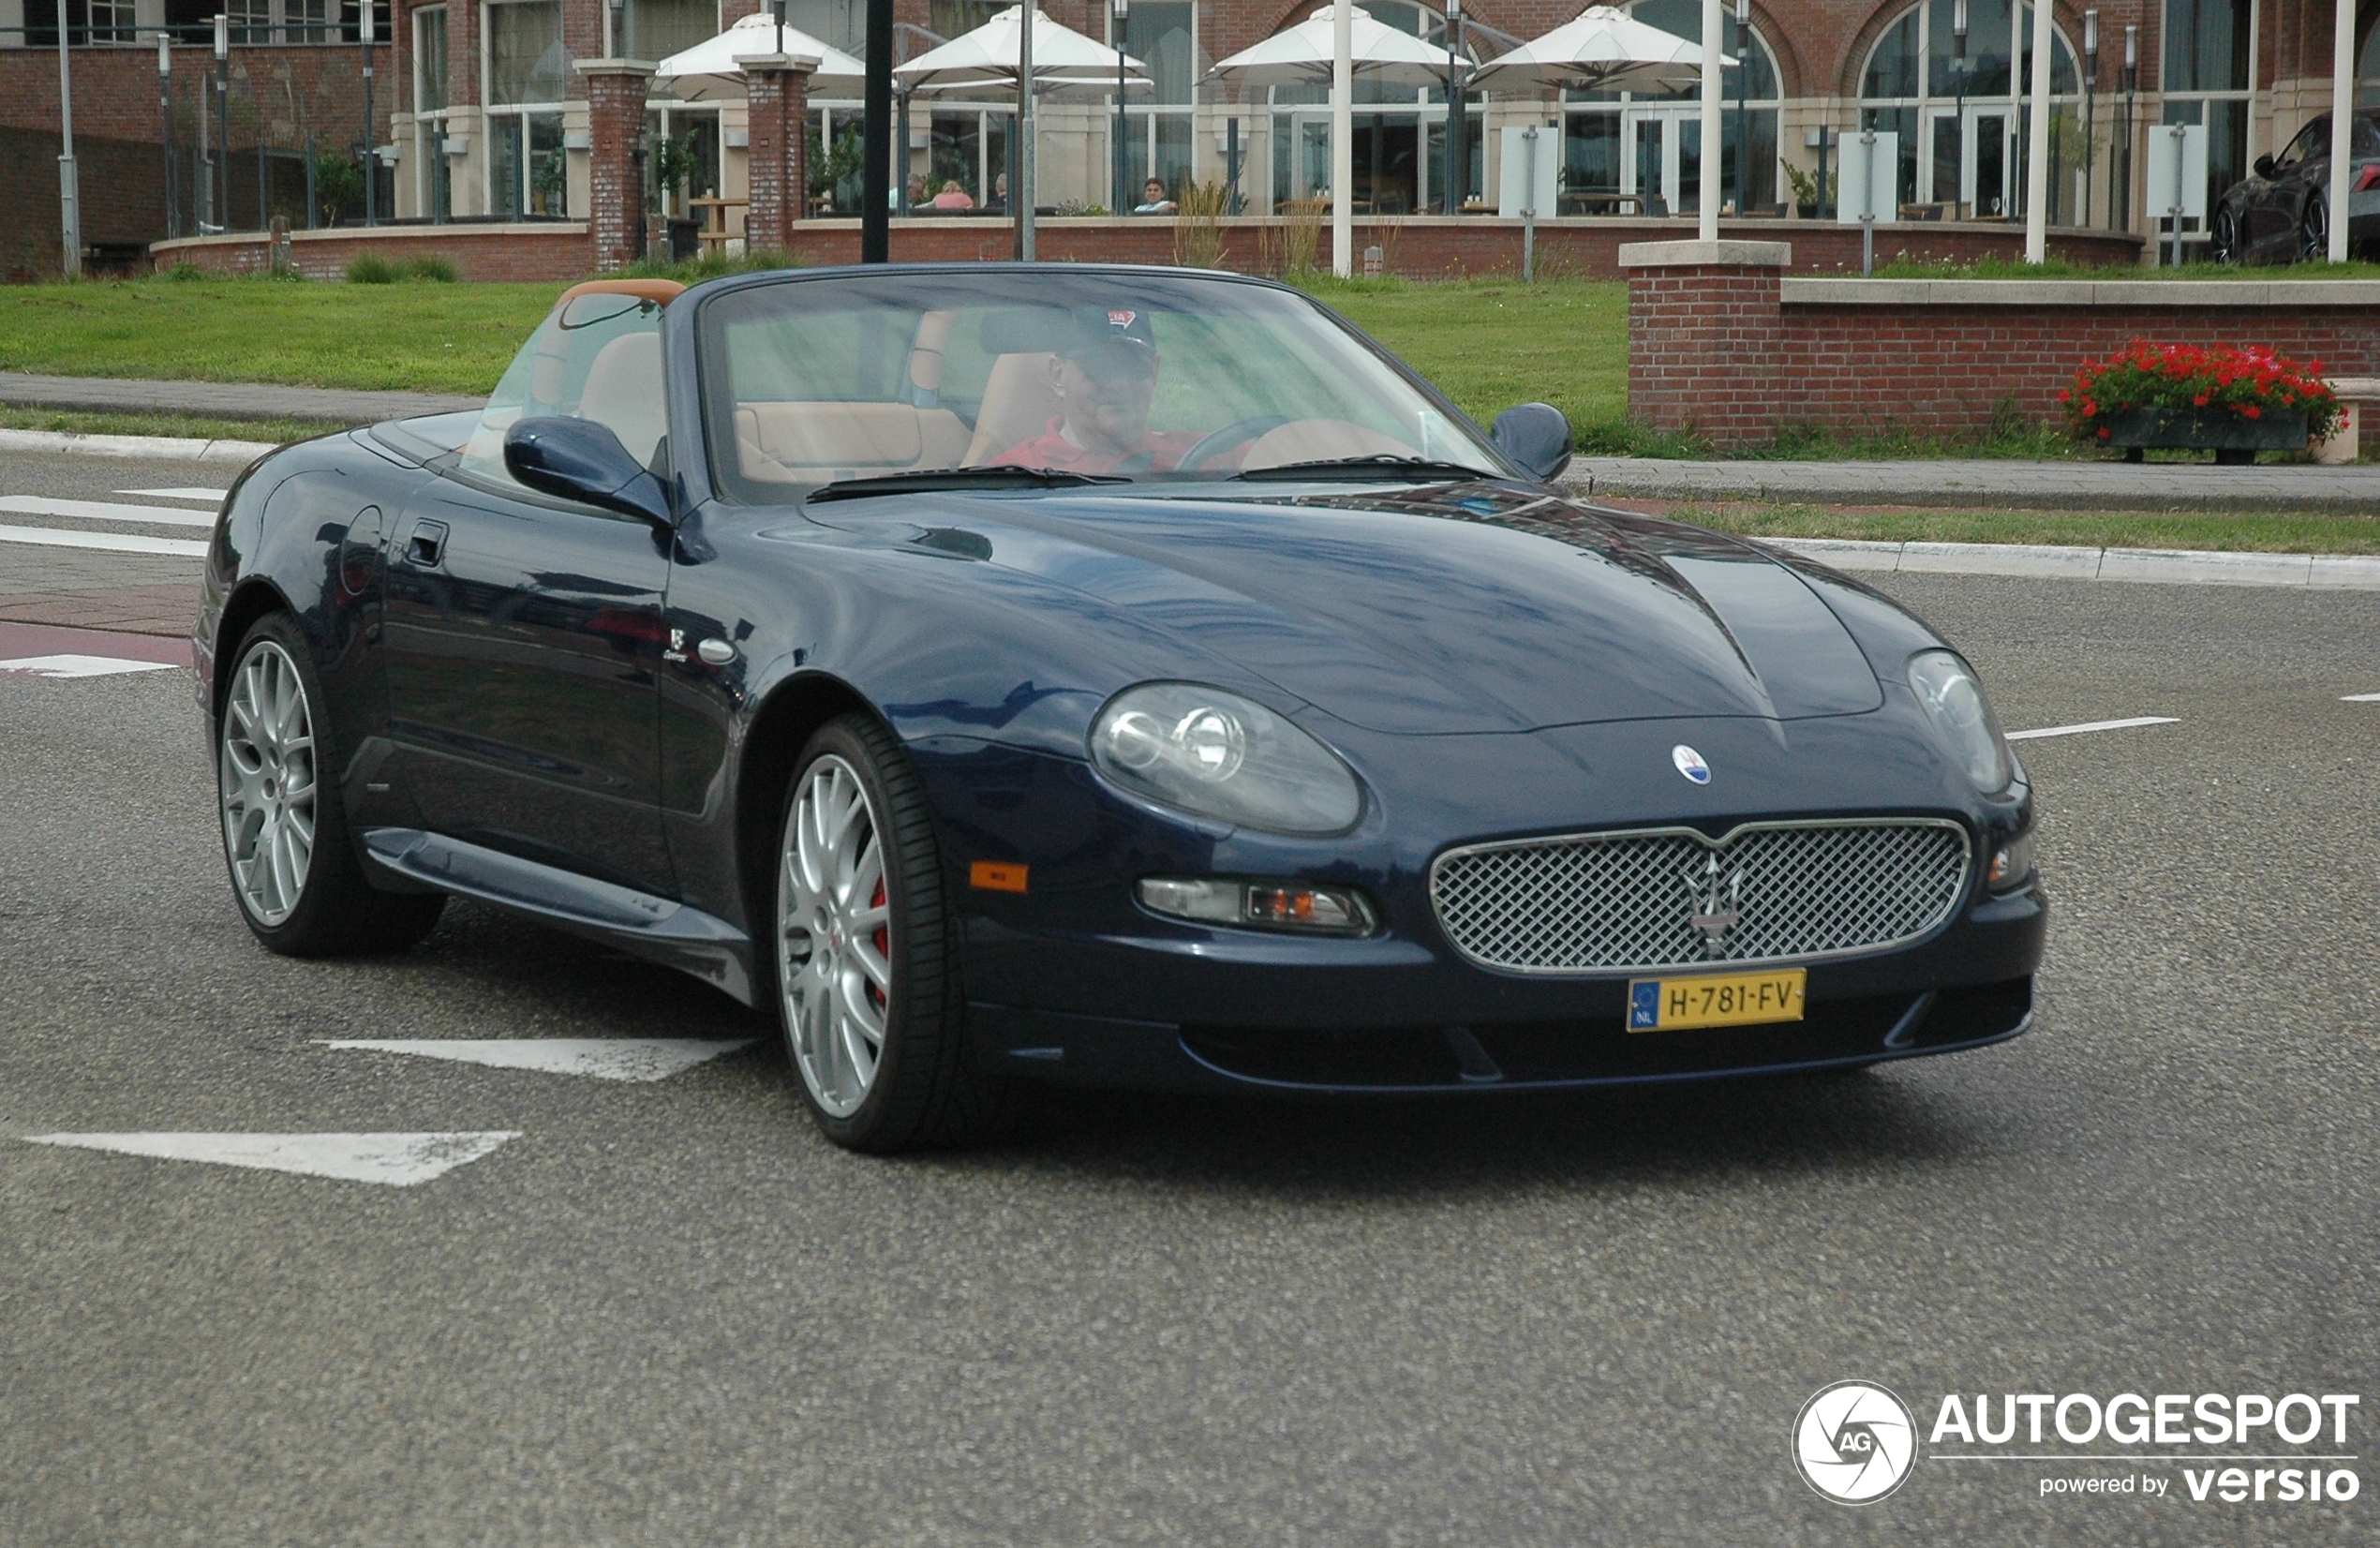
column 1051, row 449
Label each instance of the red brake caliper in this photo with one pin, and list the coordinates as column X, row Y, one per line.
column 883, row 941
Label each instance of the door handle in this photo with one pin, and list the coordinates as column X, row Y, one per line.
column 426, row 542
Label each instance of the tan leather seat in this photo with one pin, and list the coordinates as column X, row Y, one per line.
column 1314, row 439
column 623, row 392
column 1019, row 401
column 814, row 441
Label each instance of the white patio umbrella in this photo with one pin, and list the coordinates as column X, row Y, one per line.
column 708, row 72
column 989, row 56
column 1301, row 55
column 1602, row 49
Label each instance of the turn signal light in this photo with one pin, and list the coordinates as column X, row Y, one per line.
column 1301, row 907
column 2368, row 178
column 2012, row 864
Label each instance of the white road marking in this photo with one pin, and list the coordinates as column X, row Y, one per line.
column 80, row 666
column 2093, row 725
column 104, row 510
column 397, row 1160
column 115, row 542
column 2361, row 698
column 185, row 492
column 604, row 1058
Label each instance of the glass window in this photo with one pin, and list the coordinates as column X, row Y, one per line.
column 812, row 381
column 952, row 17
column 2206, row 45
column 659, row 28
column 843, row 23
column 429, row 60
column 1158, row 34
column 525, row 61
column 599, row 358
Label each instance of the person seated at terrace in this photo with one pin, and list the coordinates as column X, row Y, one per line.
column 953, row 196
column 1154, row 200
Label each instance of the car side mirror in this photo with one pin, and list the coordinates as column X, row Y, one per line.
column 2265, row 168
column 1535, row 435
column 583, row 460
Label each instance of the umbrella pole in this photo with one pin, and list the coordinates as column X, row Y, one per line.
column 1707, row 196
column 876, row 154
column 1020, row 196
column 1343, row 136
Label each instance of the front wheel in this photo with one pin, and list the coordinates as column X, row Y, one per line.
column 2226, row 247
column 867, row 982
column 299, row 884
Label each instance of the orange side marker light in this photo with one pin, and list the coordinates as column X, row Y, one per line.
column 993, row 876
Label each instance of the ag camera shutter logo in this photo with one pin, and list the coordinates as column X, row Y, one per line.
column 1855, row 1442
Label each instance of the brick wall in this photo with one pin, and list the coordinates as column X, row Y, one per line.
column 1738, row 354
column 559, row 252
column 778, row 181
column 616, row 122
column 1437, row 246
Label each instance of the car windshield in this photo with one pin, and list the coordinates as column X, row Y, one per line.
column 1147, row 377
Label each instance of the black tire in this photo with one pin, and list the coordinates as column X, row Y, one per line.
column 2313, row 230
column 2226, row 247
column 337, row 910
column 923, row 1091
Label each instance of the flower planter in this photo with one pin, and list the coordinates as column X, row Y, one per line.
column 2234, row 440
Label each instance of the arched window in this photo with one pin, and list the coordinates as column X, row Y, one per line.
column 1957, row 105
column 1624, row 149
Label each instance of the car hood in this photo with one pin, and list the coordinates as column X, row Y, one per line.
column 1469, row 608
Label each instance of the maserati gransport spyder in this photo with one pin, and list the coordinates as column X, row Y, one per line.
column 1107, row 676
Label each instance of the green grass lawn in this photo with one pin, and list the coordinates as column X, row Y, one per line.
column 422, row 336
column 2276, row 532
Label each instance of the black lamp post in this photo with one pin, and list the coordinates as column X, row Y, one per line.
column 1743, row 109
column 2131, row 83
column 1958, row 72
column 875, row 136
column 2090, row 80
column 1123, row 202
column 1458, row 159
column 371, row 157
column 222, row 183
column 165, row 113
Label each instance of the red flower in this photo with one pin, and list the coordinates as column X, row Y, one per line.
column 2200, row 401
column 2251, row 411
column 2063, row 396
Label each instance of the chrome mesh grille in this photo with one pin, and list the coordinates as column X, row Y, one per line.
column 1609, row 902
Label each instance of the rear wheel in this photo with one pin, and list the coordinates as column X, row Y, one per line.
column 866, row 952
column 2314, row 232
column 285, row 837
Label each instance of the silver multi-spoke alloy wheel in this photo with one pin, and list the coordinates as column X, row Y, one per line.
column 267, row 769
column 834, row 936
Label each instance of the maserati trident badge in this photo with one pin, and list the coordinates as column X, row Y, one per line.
column 1718, row 896
column 1689, row 763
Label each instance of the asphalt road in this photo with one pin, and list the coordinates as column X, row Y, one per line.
column 669, row 1313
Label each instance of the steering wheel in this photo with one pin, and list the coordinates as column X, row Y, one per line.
column 1229, row 435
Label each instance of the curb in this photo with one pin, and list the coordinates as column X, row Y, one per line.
column 2041, row 561
column 150, row 448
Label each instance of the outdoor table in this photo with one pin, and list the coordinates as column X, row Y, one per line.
column 1605, row 203
column 715, row 233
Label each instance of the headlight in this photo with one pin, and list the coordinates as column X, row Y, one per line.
column 1220, row 755
column 1961, row 718
column 1301, row 907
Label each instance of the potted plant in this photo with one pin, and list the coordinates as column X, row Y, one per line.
column 2234, row 402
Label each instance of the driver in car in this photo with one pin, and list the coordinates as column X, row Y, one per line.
column 1104, row 385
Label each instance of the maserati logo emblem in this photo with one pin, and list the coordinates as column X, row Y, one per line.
column 1689, row 763
column 1718, row 895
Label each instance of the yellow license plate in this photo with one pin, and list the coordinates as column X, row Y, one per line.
column 1718, row 999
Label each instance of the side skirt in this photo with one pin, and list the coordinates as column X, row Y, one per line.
column 698, row 944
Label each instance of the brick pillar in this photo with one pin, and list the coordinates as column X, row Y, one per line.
column 775, row 167
column 616, row 198
column 1705, row 338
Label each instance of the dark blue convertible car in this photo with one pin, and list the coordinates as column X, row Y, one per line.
column 1119, row 677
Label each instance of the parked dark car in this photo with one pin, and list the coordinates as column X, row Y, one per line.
column 2281, row 212
column 1123, row 677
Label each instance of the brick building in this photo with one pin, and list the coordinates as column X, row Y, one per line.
column 484, row 105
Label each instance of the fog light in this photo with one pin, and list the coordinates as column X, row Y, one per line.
column 2012, row 864
column 1298, row 906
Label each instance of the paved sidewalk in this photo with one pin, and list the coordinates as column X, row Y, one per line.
column 222, row 399
column 1985, row 484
